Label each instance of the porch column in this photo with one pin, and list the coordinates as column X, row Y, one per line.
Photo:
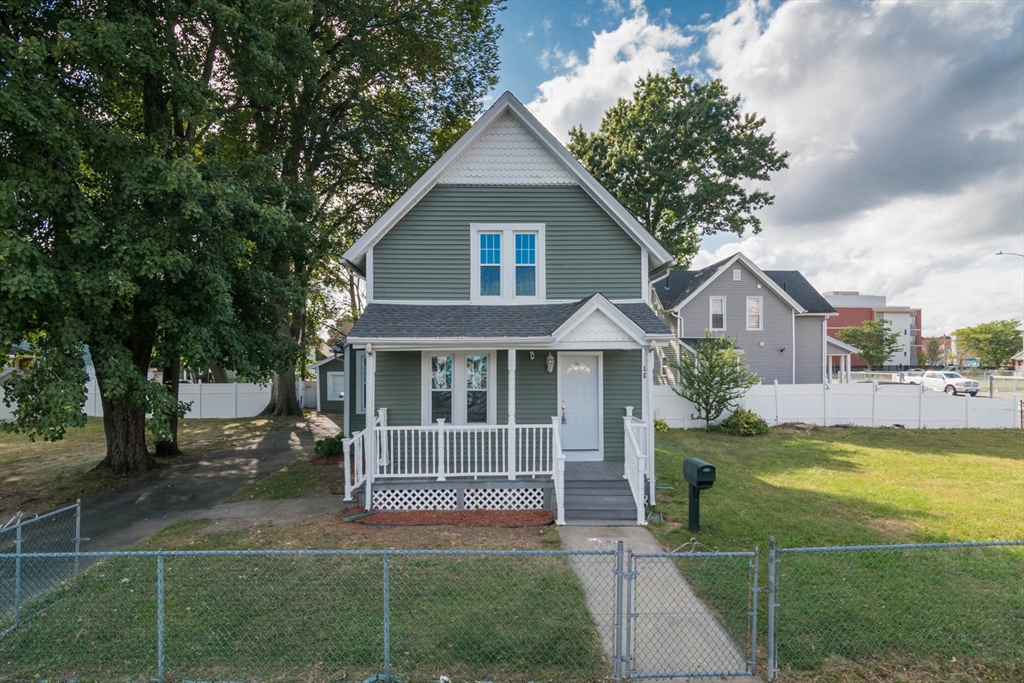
column 648, row 415
column 511, row 414
column 371, row 416
column 849, row 368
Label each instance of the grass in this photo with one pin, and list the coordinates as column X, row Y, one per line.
column 317, row 618
column 39, row 475
column 860, row 486
column 293, row 481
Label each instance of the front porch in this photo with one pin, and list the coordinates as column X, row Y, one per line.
column 496, row 467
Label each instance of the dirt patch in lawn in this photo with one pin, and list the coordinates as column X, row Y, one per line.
column 459, row 518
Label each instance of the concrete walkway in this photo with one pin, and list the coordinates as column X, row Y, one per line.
column 674, row 631
column 117, row 517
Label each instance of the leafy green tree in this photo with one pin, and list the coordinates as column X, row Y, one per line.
column 123, row 225
column 935, row 355
column 876, row 341
column 680, row 156
column 714, row 378
column 992, row 343
column 367, row 96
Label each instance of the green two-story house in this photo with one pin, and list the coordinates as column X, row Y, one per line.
column 505, row 356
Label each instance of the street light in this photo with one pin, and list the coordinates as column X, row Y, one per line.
column 1011, row 253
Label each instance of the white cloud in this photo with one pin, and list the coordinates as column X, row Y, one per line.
column 617, row 59
column 906, row 127
column 547, row 23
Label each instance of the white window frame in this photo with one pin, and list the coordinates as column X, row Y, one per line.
column 736, row 274
column 459, row 385
column 760, row 313
column 508, row 265
column 711, row 314
column 330, row 377
column 360, row 382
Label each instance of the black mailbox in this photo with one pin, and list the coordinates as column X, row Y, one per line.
column 699, row 473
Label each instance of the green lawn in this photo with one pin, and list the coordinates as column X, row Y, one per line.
column 310, row 618
column 293, row 481
column 865, row 486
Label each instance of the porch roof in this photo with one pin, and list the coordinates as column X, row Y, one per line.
column 465, row 321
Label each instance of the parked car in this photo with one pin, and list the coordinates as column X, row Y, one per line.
column 950, row 382
column 913, row 376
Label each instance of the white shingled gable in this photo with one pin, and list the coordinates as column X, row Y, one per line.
column 597, row 327
column 507, row 153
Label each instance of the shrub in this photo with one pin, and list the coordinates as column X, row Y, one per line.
column 660, row 426
column 325, row 448
column 743, row 423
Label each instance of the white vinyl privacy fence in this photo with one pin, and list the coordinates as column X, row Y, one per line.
column 868, row 405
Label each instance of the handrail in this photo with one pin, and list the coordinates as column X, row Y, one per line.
column 635, row 466
column 559, row 472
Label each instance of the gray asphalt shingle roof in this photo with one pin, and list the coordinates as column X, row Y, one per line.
column 680, row 284
column 403, row 321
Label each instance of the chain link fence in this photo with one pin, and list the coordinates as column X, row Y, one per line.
column 23, row 578
column 502, row 615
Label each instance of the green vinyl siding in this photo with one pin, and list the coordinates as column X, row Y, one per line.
column 356, row 421
column 426, row 255
column 397, row 386
column 536, row 389
column 623, row 386
column 329, row 404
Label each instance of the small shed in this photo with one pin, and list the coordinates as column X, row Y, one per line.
column 330, row 385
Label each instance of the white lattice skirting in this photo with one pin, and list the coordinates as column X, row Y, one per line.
column 415, row 499
column 504, row 499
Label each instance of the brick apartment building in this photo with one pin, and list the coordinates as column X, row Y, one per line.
column 855, row 308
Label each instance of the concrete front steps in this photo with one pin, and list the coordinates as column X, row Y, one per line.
column 599, row 502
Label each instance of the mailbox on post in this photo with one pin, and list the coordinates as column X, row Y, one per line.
column 699, row 475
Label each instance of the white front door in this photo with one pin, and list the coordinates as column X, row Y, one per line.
column 579, row 405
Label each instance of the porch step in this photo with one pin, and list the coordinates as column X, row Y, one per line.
column 599, row 502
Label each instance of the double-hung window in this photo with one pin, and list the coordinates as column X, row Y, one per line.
column 718, row 314
column 507, row 262
column 755, row 315
column 458, row 387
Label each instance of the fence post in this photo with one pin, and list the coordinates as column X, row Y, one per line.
column 78, row 532
column 619, row 574
column 17, row 572
column 874, row 400
column 771, row 609
column 755, row 593
column 920, row 406
column 236, row 399
column 967, row 410
column 776, row 403
column 160, row 617
column 627, row 650
column 200, row 399
column 387, row 620
column 824, row 392
column 441, row 456
column 991, row 386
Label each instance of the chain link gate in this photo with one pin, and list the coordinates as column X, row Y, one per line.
column 672, row 632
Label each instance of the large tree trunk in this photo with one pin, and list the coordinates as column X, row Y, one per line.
column 125, row 427
column 219, row 374
column 282, row 396
column 172, row 379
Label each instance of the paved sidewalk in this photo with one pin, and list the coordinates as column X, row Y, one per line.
column 675, row 632
column 115, row 518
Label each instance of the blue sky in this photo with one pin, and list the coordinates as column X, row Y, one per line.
column 904, row 120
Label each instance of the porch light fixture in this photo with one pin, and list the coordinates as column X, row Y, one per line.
column 551, row 363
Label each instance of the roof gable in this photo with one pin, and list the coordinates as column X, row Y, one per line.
column 507, row 153
column 508, row 105
column 675, row 294
column 598, row 320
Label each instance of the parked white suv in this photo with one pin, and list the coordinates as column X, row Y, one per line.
column 951, row 382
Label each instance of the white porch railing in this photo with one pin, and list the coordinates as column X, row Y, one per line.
column 636, row 460
column 354, row 454
column 559, row 473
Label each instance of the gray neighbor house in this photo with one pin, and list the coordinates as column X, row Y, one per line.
column 505, row 356
column 776, row 317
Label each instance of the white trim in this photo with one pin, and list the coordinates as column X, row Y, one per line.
column 826, row 375
column 645, row 278
column 502, row 302
column 588, row 456
column 347, row 420
column 736, row 274
column 507, row 102
column 361, row 382
column 327, row 388
column 757, row 272
column 369, row 275
column 599, row 303
column 322, row 361
column 794, row 347
column 711, row 314
column 760, row 314
column 507, row 266
column 679, row 325
column 852, row 350
column 459, row 403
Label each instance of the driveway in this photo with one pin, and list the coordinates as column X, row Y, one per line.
column 118, row 517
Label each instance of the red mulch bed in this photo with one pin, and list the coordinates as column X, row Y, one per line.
column 495, row 518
